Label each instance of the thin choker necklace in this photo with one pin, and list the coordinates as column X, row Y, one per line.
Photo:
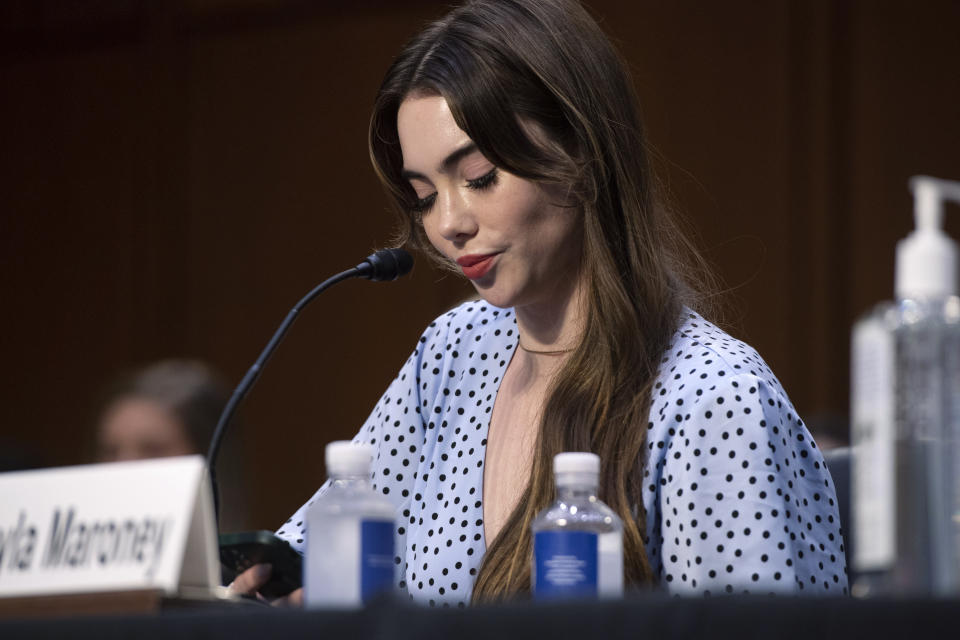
column 558, row 352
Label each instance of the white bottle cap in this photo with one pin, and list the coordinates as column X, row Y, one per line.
column 927, row 257
column 576, row 462
column 345, row 458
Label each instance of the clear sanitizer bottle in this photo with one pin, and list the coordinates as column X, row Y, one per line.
column 350, row 544
column 578, row 540
column 905, row 416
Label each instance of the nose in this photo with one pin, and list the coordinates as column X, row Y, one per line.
column 456, row 220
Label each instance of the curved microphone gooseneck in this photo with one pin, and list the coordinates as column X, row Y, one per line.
column 385, row 264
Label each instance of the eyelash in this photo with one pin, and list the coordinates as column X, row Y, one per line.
column 487, row 180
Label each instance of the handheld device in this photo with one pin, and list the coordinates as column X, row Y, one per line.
column 240, row 551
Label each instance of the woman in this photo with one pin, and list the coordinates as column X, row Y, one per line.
column 509, row 136
column 168, row 408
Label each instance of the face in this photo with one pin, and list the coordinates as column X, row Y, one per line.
column 135, row 428
column 511, row 238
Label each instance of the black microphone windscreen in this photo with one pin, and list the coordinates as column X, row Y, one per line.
column 386, row 264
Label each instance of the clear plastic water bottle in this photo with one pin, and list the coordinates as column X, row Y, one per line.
column 350, row 544
column 578, row 540
column 873, row 437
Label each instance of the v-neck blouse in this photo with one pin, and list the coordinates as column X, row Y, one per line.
column 736, row 493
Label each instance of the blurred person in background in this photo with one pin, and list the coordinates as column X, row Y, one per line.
column 169, row 408
column 165, row 409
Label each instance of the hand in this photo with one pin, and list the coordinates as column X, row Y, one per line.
column 249, row 582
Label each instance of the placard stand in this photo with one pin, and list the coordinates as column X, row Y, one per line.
column 72, row 604
column 131, row 537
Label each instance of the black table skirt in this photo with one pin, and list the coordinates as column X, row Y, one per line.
column 649, row 618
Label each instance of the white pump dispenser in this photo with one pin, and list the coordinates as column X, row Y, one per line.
column 927, row 257
column 905, row 416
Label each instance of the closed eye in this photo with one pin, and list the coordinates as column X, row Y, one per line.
column 423, row 205
column 485, row 181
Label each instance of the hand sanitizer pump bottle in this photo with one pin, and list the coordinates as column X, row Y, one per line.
column 578, row 540
column 905, row 416
column 350, row 543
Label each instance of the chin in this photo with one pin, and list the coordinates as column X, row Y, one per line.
column 496, row 298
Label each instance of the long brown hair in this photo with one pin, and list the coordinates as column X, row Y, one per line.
column 503, row 65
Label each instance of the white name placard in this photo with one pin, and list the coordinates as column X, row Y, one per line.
column 108, row 527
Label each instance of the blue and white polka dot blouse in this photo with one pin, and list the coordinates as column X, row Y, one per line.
column 736, row 492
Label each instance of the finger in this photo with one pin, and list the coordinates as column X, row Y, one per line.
column 252, row 579
column 292, row 599
column 295, row 599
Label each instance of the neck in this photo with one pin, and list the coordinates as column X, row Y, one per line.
column 553, row 325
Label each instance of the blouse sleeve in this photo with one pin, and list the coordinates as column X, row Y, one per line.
column 396, row 430
column 745, row 502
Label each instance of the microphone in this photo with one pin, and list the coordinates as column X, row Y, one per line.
column 382, row 265
column 386, row 264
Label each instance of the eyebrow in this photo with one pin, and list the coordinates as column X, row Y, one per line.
column 456, row 156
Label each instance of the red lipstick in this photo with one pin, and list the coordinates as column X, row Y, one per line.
column 476, row 266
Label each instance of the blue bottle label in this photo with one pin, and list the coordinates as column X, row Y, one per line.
column 376, row 558
column 565, row 564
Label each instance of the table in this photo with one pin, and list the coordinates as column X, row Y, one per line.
column 647, row 617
